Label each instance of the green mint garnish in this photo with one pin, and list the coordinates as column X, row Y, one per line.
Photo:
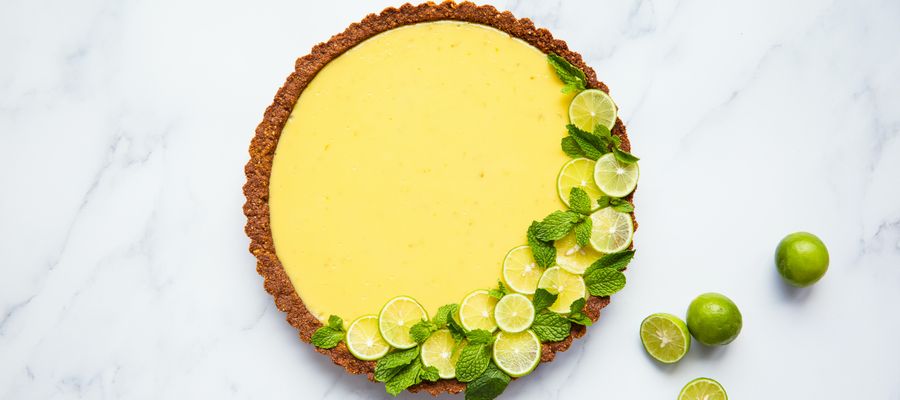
column 473, row 360
column 617, row 261
column 571, row 148
column 488, row 385
column 577, row 315
column 570, row 75
column 479, row 336
column 329, row 335
column 557, row 224
column 550, row 326
column 543, row 299
column 604, row 277
column 583, row 232
column 543, row 251
column 579, row 201
column 410, row 375
column 390, row 365
column 624, row 156
column 422, row 330
column 499, row 291
column 590, row 145
column 620, row 205
column 444, row 315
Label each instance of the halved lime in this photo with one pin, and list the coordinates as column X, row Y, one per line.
column 567, row 286
column 665, row 337
column 514, row 313
column 517, row 354
column 395, row 319
column 441, row 351
column 572, row 257
column 703, row 389
column 614, row 177
column 477, row 311
column 590, row 108
column 364, row 339
column 520, row 271
column 611, row 230
column 577, row 173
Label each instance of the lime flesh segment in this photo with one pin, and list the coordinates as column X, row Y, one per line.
column 611, row 231
column 364, row 339
column 395, row 319
column 578, row 173
column 572, row 257
column 517, row 354
column 566, row 285
column 703, row 389
column 514, row 313
column 477, row 311
column 590, row 108
column 441, row 351
column 614, row 177
column 665, row 337
column 520, row 272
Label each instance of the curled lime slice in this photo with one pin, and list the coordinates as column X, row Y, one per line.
column 395, row 319
column 364, row 339
column 590, row 108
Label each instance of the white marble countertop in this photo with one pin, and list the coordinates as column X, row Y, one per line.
column 124, row 128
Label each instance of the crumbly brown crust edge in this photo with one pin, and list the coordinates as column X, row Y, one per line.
column 263, row 144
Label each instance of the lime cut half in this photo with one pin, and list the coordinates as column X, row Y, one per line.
column 614, row 177
column 477, row 311
column 578, row 173
column 514, row 313
column 590, row 108
column 572, row 257
column 567, row 286
column 441, row 351
column 395, row 319
column 611, row 231
column 364, row 339
column 703, row 389
column 517, row 354
column 665, row 337
column 520, row 272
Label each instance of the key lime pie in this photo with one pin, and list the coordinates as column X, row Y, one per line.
column 440, row 197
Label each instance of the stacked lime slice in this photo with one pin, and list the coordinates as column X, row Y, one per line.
column 514, row 313
column 611, row 230
column 520, row 272
column 364, row 339
column 578, row 173
column 395, row 319
column 567, row 286
column 477, row 311
column 590, row 108
column 572, row 257
column 517, row 354
column 441, row 351
column 615, row 178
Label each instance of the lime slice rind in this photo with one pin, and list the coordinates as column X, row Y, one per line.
column 364, row 339
column 395, row 319
column 590, row 108
column 665, row 337
column 517, row 354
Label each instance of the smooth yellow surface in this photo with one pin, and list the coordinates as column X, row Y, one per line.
column 412, row 163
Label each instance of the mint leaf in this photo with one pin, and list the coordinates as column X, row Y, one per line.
column 422, row 330
column 473, row 360
column 444, row 315
column 456, row 329
column 499, row 291
column 543, row 299
column 577, row 315
column 624, row 156
column 430, row 374
column 550, row 326
column 579, row 201
column 327, row 337
column 620, row 205
column 590, row 145
column 488, row 385
column 603, row 281
column 410, row 375
column 569, row 74
column 336, row 322
column 571, row 148
column 557, row 224
column 618, row 261
column 391, row 364
column 543, row 251
column 583, row 232
column 479, row 336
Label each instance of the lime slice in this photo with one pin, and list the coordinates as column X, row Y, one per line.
column 572, row 257
column 514, row 313
column 477, row 311
column 614, row 177
column 517, row 354
column 703, row 389
column 395, row 319
column 590, row 108
column 364, row 340
column 441, row 351
column 577, row 173
column 567, row 286
column 520, row 272
column 665, row 337
column 611, row 230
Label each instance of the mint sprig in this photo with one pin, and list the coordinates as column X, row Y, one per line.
column 620, row 205
column 557, row 225
column 391, row 364
column 579, row 201
column 410, row 375
column 577, row 315
column 542, row 299
column 594, row 144
column 583, row 232
column 422, row 330
column 473, row 361
column 499, row 291
column 570, row 75
column 329, row 335
column 604, row 277
column 550, row 326
column 488, row 385
column 543, row 250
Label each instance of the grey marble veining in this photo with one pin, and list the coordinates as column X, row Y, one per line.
column 124, row 127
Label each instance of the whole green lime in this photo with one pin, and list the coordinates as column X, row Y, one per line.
column 714, row 319
column 801, row 258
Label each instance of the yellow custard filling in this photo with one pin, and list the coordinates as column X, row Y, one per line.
column 412, row 163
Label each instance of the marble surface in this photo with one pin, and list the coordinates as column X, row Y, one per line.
column 124, row 128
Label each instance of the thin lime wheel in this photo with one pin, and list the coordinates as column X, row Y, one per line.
column 476, row 311
column 611, row 230
column 572, row 257
column 517, row 354
column 514, row 313
column 590, row 108
column 395, row 319
column 520, row 272
column 665, row 337
column 577, row 173
column 441, row 351
column 703, row 389
column 567, row 286
column 615, row 178
column 364, row 339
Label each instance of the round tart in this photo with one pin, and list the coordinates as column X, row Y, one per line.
column 405, row 157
